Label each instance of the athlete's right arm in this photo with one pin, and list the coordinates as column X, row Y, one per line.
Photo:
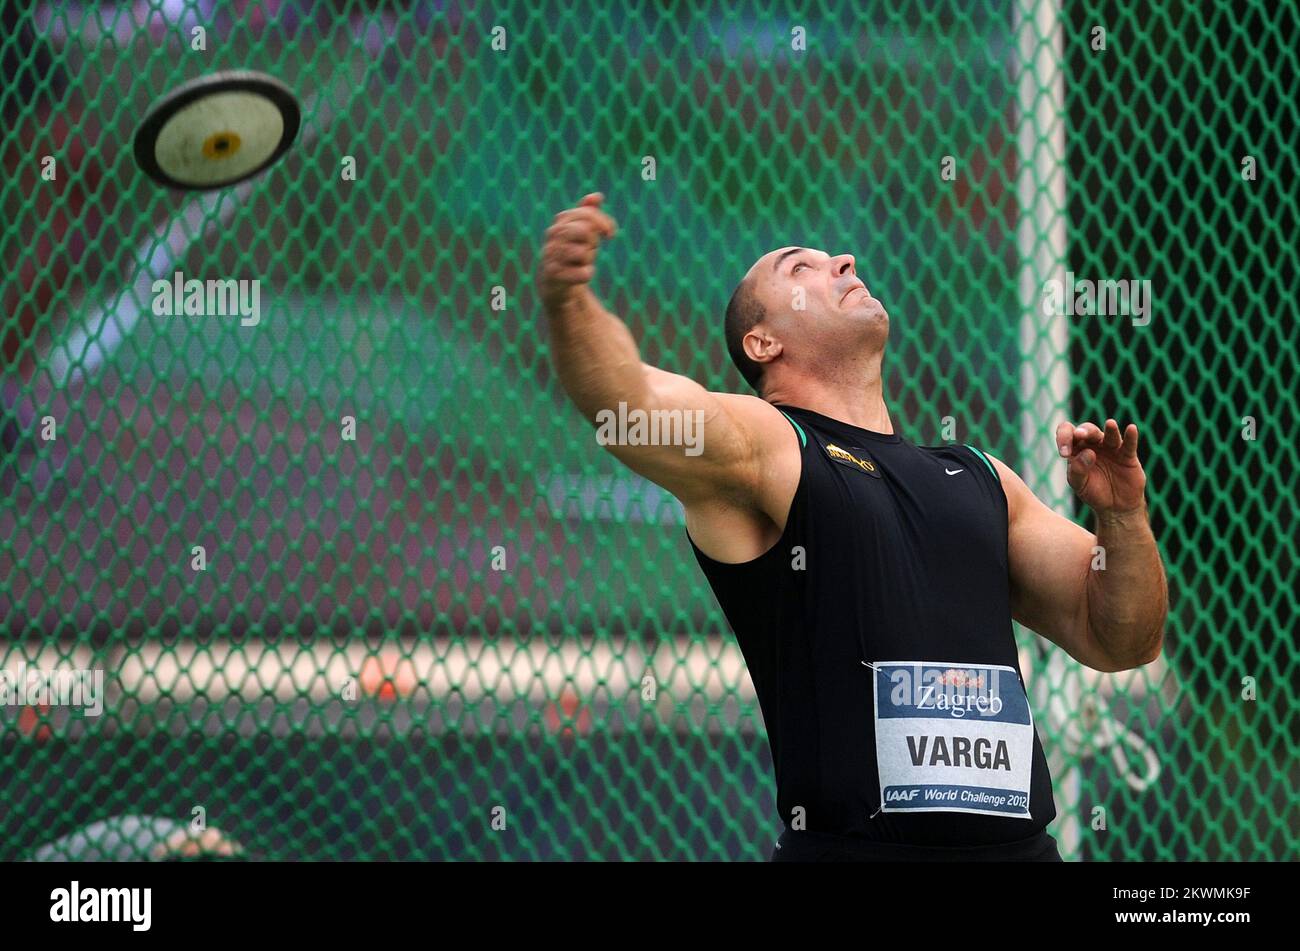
column 742, row 439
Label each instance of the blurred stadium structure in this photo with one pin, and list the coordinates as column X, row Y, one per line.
column 351, row 677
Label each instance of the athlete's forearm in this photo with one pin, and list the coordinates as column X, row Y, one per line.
column 594, row 354
column 1128, row 600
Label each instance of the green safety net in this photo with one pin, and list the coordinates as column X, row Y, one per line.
column 358, row 581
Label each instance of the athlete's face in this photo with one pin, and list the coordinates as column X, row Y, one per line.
column 812, row 299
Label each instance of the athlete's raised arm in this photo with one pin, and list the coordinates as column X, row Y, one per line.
column 1109, row 618
column 723, row 446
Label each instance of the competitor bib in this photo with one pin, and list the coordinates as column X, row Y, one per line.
column 953, row 738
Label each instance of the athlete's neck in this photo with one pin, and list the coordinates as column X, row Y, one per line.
column 852, row 396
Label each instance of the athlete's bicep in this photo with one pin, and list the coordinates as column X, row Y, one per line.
column 1049, row 558
column 695, row 443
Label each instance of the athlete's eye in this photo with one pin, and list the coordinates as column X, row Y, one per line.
column 795, row 270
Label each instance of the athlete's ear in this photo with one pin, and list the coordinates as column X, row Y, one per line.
column 760, row 346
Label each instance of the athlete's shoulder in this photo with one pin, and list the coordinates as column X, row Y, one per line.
column 764, row 420
column 747, row 404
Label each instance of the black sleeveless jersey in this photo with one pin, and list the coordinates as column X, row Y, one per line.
column 878, row 634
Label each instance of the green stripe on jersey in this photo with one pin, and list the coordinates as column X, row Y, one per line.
column 986, row 461
column 803, row 440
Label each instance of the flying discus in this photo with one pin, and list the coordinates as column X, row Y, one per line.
column 217, row 131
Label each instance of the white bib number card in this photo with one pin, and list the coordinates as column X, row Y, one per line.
column 953, row 738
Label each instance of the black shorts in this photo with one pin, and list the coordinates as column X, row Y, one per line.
column 819, row 847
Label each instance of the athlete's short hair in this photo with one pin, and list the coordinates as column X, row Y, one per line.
column 744, row 310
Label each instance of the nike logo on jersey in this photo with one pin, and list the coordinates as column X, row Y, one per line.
column 952, row 471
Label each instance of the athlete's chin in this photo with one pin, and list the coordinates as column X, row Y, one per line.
column 872, row 311
column 874, row 321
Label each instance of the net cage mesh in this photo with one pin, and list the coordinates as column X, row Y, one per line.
column 357, row 579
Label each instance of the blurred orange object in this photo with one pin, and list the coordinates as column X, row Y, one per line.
column 568, row 716
column 388, row 676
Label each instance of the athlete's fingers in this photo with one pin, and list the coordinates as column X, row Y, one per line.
column 582, row 224
column 1064, row 438
column 581, row 213
column 1111, row 439
column 562, row 271
column 575, row 228
column 609, row 227
column 575, row 240
column 570, row 244
column 588, row 216
column 574, row 275
column 568, row 229
column 1130, row 450
column 1087, row 434
column 571, row 252
column 1080, row 470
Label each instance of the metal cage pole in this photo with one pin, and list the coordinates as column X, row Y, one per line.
column 1044, row 345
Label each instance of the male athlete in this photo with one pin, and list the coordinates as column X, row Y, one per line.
column 871, row 583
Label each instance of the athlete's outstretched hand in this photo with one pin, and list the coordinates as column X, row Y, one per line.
column 1104, row 469
column 569, row 251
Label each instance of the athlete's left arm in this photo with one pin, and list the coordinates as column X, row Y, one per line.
column 1109, row 618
